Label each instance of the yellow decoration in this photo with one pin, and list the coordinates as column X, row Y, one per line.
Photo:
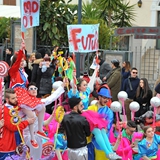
column 60, row 52
column 64, row 65
column 16, row 120
column 13, row 112
column 60, row 59
column 59, row 114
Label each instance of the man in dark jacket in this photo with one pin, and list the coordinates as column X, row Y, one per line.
column 130, row 86
column 9, row 54
column 77, row 129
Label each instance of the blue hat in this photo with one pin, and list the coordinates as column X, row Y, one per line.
column 104, row 92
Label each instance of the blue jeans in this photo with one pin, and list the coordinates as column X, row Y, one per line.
column 6, row 154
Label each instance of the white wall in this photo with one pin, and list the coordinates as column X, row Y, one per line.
column 143, row 14
column 18, row 2
column 1, row 2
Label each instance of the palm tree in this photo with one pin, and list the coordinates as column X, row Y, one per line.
column 89, row 11
column 124, row 15
column 115, row 12
column 107, row 9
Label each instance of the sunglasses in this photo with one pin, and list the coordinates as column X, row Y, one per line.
column 33, row 88
column 135, row 72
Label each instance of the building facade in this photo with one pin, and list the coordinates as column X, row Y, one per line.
column 9, row 2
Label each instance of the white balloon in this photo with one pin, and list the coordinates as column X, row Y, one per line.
column 116, row 106
column 134, row 106
column 94, row 102
column 155, row 102
column 122, row 95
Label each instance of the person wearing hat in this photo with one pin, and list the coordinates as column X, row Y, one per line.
column 77, row 129
column 114, row 80
column 107, row 113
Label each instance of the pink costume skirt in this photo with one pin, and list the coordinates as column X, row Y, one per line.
column 95, row 119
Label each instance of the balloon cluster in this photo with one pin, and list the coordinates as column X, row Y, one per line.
column 116, row 106
column 134, row 106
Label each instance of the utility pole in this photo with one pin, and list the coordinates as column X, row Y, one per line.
column 78, row 54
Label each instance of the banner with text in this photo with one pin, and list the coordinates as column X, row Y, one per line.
column 137, row 30
column 29, row 14
column 83, row 38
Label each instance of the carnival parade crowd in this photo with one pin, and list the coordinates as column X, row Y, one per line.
column 50, row 114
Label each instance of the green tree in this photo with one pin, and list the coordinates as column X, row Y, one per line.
column 107, row 8
column 124, row 15
column 54, row 18
column 116, row 12
column 89, row 11
column 5, row 28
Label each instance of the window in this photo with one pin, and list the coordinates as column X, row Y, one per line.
column 9, row 2
column 124, row 43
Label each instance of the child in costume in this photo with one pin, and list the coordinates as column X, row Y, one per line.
column 148, row 147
